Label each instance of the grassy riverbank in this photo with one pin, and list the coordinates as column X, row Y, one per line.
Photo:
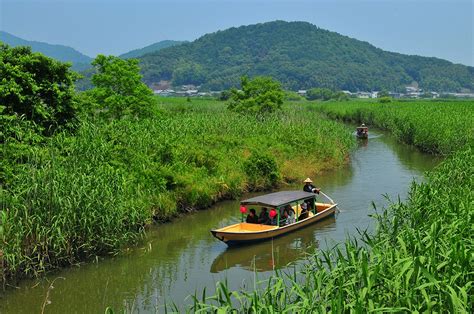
column 438, row 127
column 87, row 193
column 421, row 256
column 418, row 260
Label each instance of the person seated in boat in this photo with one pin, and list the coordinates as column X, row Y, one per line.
column 252, row 217
column 273, row 217
column 290, row 214
column 263, row 218
column 284, row 217
column 309, row 187
column 304, row 211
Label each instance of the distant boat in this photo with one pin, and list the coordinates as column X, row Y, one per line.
column 242, row 233
column 362, row 131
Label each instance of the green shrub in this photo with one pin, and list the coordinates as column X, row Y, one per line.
column 260, row 95
column 385, row 99
column 261, row 170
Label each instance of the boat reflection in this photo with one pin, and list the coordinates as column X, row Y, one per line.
column 259, row 256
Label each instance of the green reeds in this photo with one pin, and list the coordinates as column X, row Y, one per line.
column 438, row 127
column 90, row 193
column 420, row 259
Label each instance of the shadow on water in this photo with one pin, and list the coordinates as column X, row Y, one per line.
column 180, row 258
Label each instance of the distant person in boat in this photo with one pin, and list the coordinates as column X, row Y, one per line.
column 252, row 217
column 308, row 187
column 264, row 218
column 304, row 211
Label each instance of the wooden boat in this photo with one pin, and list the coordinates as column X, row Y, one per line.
column 362, row 131
column 242, row 233
column 265, row 256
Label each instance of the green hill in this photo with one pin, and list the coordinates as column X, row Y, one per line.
column 301, row 56
column 151, row 48
column 59, row 52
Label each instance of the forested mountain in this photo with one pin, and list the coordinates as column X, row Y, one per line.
column 151, row 48
column 59, row 52
column 301, row 56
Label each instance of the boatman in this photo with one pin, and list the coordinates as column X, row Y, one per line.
column 308, row 187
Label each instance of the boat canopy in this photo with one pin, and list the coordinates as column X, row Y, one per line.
column 278, row 199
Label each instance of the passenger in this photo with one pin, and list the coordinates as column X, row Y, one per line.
column 263, row 218
column 273, row 217
column 252, row 217
column 308, row 187
column 304, row 212
column 284, row 217
column 290, row 214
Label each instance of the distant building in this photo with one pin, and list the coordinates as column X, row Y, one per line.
column 302, row 92
column 395, row 95
column 411, row 89
column 363, row 94
column 191, row 92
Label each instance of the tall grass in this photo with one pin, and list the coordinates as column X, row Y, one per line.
column 438, row 127
column 89, row 193
column 420, row 259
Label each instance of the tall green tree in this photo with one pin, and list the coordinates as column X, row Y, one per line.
column 118, row 89
column 259, row 95
column 36, row 88
column 319, row 93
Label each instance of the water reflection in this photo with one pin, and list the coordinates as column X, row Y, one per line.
column 270, row 255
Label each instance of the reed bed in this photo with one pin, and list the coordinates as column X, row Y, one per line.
column 91, row 192
column 420, row 259
column 437, row 127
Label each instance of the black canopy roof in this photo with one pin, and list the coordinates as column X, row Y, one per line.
column 277, row 199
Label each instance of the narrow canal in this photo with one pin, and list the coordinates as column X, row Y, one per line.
column 180, row 258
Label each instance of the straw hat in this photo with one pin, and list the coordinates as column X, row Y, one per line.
column 308, row 180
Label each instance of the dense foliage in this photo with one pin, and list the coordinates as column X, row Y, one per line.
column 88, row 193
column 300, row 56
column 418, row 260
column 118, row 90
column 325, row 94
column 35, row 88
column 258, row 95
column 438, row 127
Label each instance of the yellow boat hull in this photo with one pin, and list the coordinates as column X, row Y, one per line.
column 243, row 232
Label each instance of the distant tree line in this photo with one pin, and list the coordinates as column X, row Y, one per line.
column 300, row 56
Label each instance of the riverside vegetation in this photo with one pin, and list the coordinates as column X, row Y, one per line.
column 91, row 185
column 419, row 259
column 437, row 127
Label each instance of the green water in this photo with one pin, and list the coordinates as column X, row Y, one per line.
column 182, row 257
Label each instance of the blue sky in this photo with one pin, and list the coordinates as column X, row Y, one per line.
column 442, row 29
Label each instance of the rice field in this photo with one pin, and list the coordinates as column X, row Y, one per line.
column 437, row 127
column 89, row 193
